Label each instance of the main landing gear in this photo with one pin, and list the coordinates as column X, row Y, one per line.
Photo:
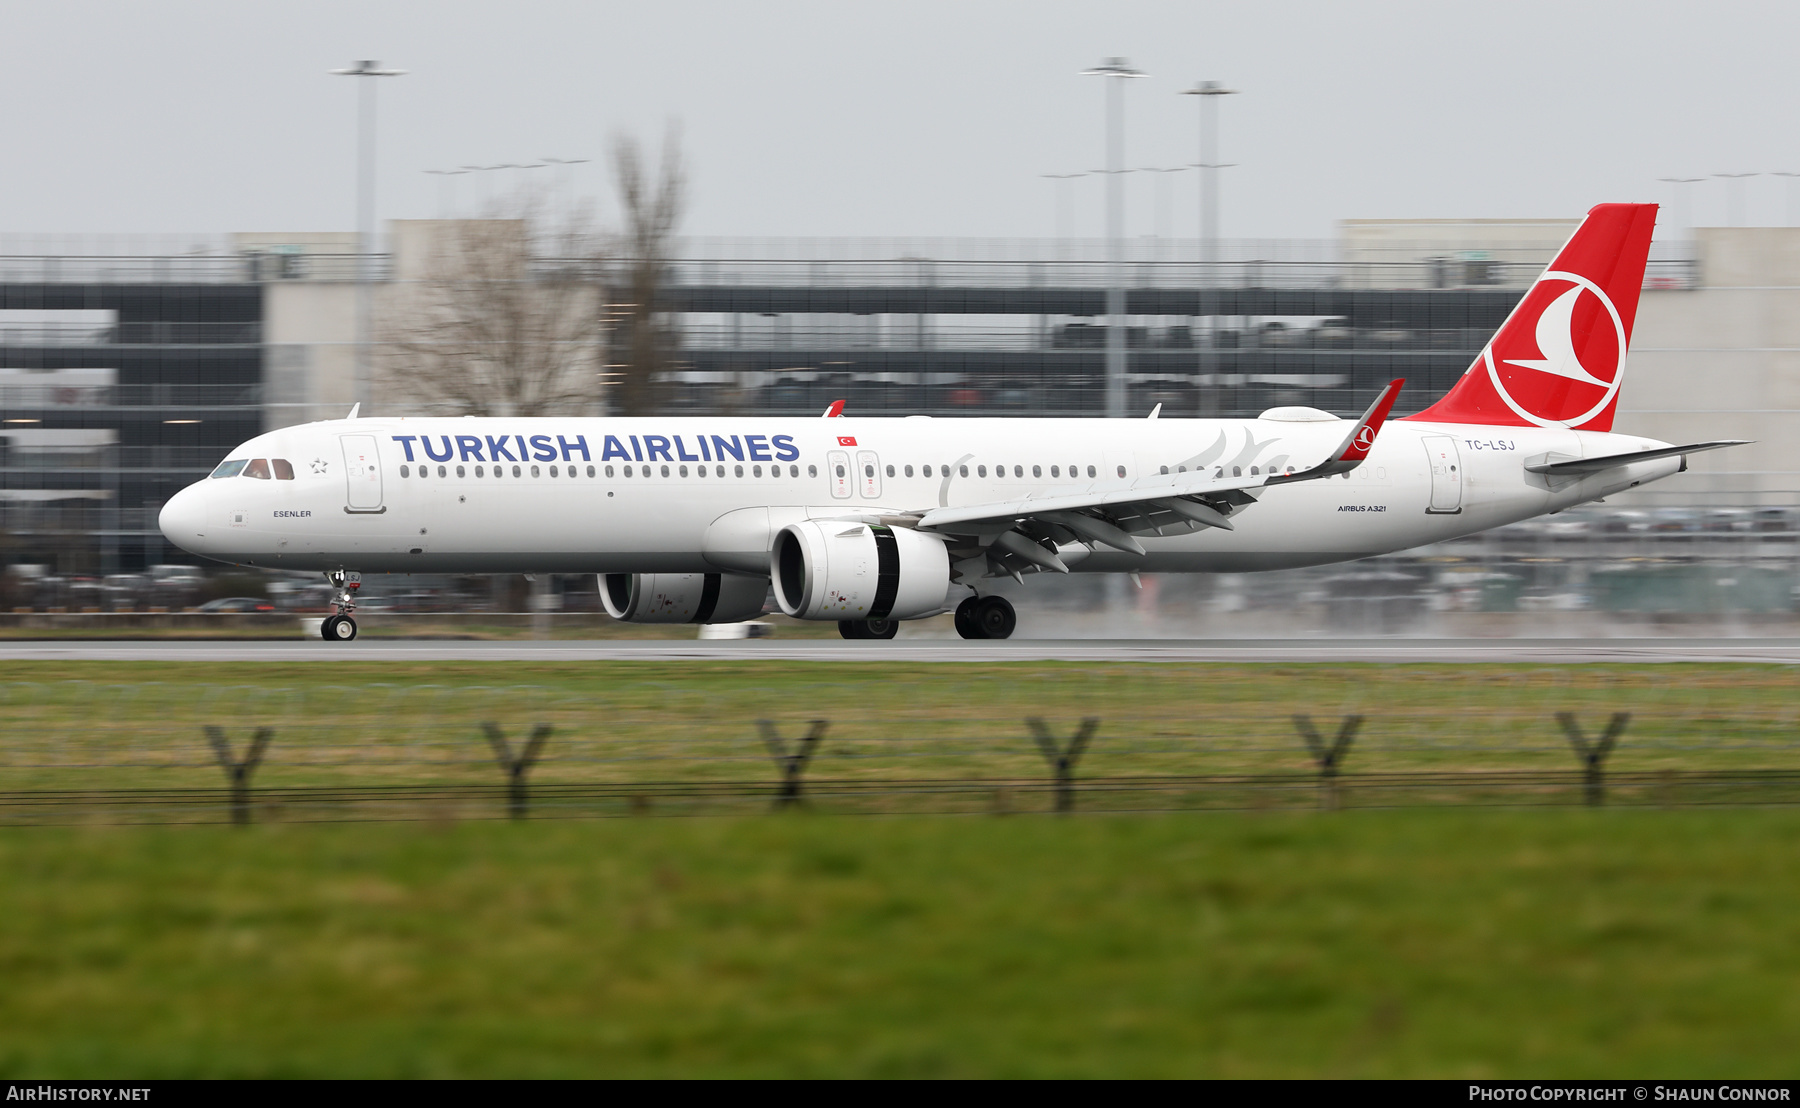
column 986, row 617
column 868, row 628
column 340, row 627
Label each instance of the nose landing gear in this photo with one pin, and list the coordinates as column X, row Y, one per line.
column 341, row 627
column 986, row 617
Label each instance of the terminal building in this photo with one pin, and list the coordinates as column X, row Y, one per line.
column 129, row 368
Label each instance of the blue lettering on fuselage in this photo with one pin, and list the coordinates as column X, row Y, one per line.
column 547, row 448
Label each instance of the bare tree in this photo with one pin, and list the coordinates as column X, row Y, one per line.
column 501, row 315
column 642, row 340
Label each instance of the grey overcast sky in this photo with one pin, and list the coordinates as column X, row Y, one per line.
column 929, row 117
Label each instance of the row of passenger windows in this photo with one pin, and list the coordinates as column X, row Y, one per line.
column 260, row 468
column 982, row 471
column 594, row 471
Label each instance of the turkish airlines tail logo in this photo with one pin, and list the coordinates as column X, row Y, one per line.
column 1559, row 358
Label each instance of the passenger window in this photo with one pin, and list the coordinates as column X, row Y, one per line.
column 737, row 471
column 1180, row 469
column 459, row 472
column 890, row 471
column 927, row 471
column 1121, row 471
column 590, row 471
column 683, row 472
column 812, row 471
column 1236, row 471
column 908, row 470
column 553, row 471
column 609, row 472
column 964, row 470
column 1091, row 472
column 230, row 469
column 1037, row 471
column 840, row 472
column 1056, row 471
column 868, row 471
column 517, row 472
column 443, row 471
column 405, row 471
column 258, row 469
column 284, row 469
column 1164, row 469
column 1253, row 471
column 480, row 471
column 982, row 470
column 628, row 471
column 1018, row 471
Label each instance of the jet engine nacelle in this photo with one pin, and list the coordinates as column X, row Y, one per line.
column 835, row 570
column 682, row 597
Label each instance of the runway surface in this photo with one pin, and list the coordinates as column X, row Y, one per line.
column 1538, row 651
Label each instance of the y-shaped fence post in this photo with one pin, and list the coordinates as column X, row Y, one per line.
column 515, row 768
column 1330, row 758
column 238, row 772
column 1063, row 760
column 1593, row 757
column 793, row 765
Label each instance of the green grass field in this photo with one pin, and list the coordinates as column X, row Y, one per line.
column 1445, row 941
column 1436, row 943
column 133, row 725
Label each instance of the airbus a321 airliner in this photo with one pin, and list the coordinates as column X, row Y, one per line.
column 868, row 522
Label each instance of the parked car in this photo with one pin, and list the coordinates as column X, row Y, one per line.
column 238, row 604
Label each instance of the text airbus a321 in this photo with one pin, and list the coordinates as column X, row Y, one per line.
column 871, row 521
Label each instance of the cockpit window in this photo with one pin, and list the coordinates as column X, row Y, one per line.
column 231, row 468
column 258, row 469
column 284, row 469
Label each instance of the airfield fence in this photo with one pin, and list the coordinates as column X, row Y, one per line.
column 78, row 751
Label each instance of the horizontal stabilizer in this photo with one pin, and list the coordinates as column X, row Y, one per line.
column 1576, row 466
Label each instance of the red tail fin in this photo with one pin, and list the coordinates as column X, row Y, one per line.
column 1559, row 358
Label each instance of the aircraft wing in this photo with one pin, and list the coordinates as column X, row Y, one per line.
column 1026, row 531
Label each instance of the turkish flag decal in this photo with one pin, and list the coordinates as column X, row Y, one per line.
column 846, row 440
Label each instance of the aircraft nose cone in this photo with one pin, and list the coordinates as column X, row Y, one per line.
column 183, row 519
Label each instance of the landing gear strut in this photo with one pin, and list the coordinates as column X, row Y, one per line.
column 340, row 627
column 868, row 628
column 986, row 617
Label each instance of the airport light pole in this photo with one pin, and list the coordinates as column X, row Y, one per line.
column 1117, row 71
column 1209, row 166
column 365, row 212
column 1734, row 196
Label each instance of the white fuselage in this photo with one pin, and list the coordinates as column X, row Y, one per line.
column 427, row 495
